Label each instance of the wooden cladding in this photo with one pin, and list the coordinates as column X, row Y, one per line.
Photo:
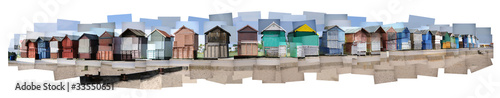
column 69, row 47
column 133, row 44
column 216, row 43
column 87, row 46
column 32, row 49
column 247, row 41
column 247, row 49
column 106, row 47
column 185, row 44
column 215, row 50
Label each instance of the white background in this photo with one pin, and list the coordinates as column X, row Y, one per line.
column 17, row 16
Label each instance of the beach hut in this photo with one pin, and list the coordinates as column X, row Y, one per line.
column 186, row 43
column 465, row 41
column 403, row 38
column 160, row 45
column 216, row 43
column 117, row 51
column 426, row 39
column 474, row 41
column 106, row 46
column 43, row 46
column 306, row 38
column 70, row 46
column 88, row 45
column 273, row 37
column 133, row 44
column 32, row 48
column 24, row 48
column 437, row 36
column 391, row 42
column 355, row 40
column 375, row 42
column 454, row 41
column 332, row 41
column 56, row 47
column 416, row 39
column 247, row 41
column 446, row 40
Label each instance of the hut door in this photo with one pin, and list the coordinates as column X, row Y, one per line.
column 375, row 46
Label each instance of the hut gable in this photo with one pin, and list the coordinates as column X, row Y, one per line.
column 247, row 28
column 217, row 34
column 434, row 33
column 247, row 33
column 332, row 33
column 90, row 36
column 106, row 34
column 185, row 36
column 132, row 32
column 373, row 29
column 56, row 38
column 71, row 37
column 43, row 39
column 356, row 34
column 304, row 28
column 217, row 28
column 161, row 32
column 273, row 27
column 183, row 30
column 361, row 35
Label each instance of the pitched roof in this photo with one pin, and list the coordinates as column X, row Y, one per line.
column 72, row 37
column 386, row 28
column 184, row 27
column 217, row 27
column 443, row 33
column 32, row 40
column 165, row 34
column 330, row 27
column 422, row 32
column 135, row 32
column 90, row 36
column 106, row 32
column 413, row 30
column 454, row 35
column 57, row 38
column 250, row 29
column 351, row 29
column 434, row 32
column 371, row 29
column 304, row 28
column 273, row 27
column 399, row 29
column 44, row 38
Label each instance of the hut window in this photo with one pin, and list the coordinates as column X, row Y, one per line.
column 86, row 68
